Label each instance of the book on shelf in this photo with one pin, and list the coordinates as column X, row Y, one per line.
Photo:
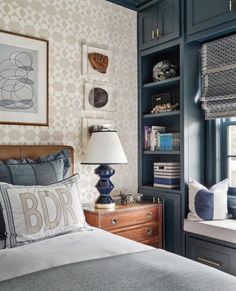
column 151, row 137
column 169, row 141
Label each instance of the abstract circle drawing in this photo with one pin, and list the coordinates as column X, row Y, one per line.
column 17, row 89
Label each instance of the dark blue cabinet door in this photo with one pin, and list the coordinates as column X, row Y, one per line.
column 217, row 255
column 172, row 229
column 159, row 23
column 205, row 14
column 168, row 20
column 172, row 224
column 147, row 27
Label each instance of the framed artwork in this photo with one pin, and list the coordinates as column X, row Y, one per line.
column 23, row 79
column 96, row 62
column 99, row 96
column 90, row 124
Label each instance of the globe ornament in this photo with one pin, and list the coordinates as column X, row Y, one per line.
column 164, row 70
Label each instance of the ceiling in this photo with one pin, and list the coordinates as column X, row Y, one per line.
column 131, row 4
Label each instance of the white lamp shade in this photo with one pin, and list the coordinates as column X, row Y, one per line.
column 104, row 147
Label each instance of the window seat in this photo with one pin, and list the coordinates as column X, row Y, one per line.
column 224, row 230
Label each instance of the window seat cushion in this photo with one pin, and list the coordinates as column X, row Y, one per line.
column 224, row 230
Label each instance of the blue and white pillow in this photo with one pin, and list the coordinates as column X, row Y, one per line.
column 33, row 213
column 208, row 204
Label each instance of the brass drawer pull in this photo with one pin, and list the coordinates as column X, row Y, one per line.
column 153, row 34
column 214, row 263
column 114, row 221
column 149, row 232
column 149, row 215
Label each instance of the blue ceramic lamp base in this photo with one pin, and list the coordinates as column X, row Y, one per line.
column 104, row 187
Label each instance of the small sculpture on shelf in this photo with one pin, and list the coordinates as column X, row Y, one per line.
column 126, row 199
column 164, row 70
column 165, row 108
column 164, row 102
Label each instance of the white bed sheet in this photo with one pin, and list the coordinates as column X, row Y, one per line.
column 64, row 249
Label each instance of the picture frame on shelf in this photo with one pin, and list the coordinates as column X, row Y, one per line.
column 90, row 124
column 96, row 62
column 99, row 96
column 23, row 79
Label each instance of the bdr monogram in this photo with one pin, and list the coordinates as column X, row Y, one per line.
column 62, row 202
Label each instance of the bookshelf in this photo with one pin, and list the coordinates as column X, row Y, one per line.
column 171, row 120
column 188, row 120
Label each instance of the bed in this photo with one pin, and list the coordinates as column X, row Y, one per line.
column 92, row 259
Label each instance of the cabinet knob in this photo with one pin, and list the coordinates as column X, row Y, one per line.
column 114, row 221
column 149, row 232
column 230, row 5
column 149, row 215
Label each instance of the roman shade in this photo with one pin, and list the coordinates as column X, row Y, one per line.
column 219, row 78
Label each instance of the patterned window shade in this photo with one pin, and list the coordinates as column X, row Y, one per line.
column 219, row 78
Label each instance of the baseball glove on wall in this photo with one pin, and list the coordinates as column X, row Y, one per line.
column 99, row 62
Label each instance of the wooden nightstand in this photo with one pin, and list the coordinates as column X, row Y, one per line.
column 139, row 222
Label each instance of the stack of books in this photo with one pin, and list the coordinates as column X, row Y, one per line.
column 152, row 137
column 169, row 141
column 155, row 139
column 167, row 175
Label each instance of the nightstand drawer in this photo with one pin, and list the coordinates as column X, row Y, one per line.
column 121, row 219
column 149, row 233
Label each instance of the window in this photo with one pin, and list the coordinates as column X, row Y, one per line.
column 229, row 149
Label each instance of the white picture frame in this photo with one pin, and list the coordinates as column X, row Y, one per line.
column 23, row 79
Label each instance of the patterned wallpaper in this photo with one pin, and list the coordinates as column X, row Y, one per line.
column 67, row 24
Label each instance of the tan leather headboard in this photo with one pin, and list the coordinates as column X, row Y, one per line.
column 32, row 152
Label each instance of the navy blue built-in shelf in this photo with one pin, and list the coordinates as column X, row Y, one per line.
column 162, row 84
column 161, row 152
column 163, row 190
column 162, row 114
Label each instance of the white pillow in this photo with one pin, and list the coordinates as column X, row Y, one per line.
column 207, row 204
column 33, row 213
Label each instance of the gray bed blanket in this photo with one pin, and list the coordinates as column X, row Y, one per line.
column 148, row 270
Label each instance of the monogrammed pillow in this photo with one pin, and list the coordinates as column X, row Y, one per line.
column 33, row 213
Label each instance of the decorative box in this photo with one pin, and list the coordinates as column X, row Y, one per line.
column 167, row 175
column 165, row 102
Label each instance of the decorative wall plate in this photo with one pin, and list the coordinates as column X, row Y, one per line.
column 99, row 62
column 98, row 97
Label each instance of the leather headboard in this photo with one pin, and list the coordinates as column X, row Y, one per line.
column 18, row 152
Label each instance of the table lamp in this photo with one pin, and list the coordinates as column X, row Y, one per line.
column 104, row 149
